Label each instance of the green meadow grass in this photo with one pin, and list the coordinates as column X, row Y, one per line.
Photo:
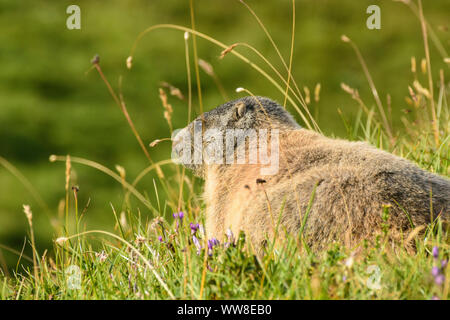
column 162, row 258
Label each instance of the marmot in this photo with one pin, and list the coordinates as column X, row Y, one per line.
column 353, row 181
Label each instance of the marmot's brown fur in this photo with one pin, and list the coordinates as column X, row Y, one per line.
column 352, row 181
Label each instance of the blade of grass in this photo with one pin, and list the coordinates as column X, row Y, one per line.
column 430, row 78
column 292, row 53
column 240, row 56
column 109, row 172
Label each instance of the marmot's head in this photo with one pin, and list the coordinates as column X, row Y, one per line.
column 246, row 114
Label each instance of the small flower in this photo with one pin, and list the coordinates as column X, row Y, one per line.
column 435, row 252
column 435, row 271
column 230, row 237
column 197, row 244
column 344, row 278
column 439, row 279
column 160, row 239
column 211, row 244
column 435, row 298
column 178, row 215
column 194, row 227
column 102, row 256
column 444, row 263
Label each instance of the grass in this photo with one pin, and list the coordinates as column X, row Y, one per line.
column 136, row 264
column 161, row 259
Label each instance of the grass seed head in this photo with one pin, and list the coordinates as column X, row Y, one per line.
column 28, row 213
column 227, row 50
column 317, row 92
column 121, row 171
column 413, row 64
column 61, row 240
column 307, row 95
column 207, row 67
column 129, row 62
column 95, row 59
column 423, row 66
column 344, row 38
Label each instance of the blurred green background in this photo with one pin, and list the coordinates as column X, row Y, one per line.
column 50, row 105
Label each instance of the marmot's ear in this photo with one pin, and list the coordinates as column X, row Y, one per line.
column 239, row 110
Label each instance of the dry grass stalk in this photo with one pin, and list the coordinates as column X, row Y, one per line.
column 413, row 65
column 307, row 95
column 29, row 215
column 174, row 91
column 317, row 92
column 168, row 110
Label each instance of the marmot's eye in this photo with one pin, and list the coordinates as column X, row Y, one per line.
column 236, row 114
column 239, row 110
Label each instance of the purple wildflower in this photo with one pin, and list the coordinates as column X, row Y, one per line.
column 435, row 271
column 180, row 216
column 194, row 227
column 439, row 279
column 435, row 252
column 444, row 263
column 230, row 237
column 344, row 278
column 211, row 244
column 160, row 239
column 197, row 244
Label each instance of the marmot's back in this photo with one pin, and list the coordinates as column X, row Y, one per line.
column 353, row 182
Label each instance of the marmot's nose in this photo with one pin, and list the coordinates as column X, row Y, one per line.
column 175, row 142
column 178, row 137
